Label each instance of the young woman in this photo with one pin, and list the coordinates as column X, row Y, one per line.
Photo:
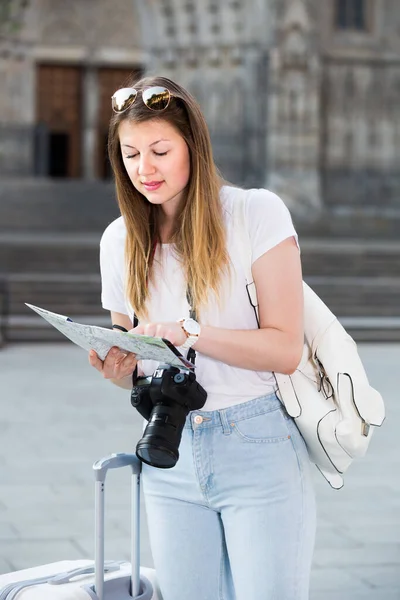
column 234, row 519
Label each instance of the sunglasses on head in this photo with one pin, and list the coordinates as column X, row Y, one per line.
column 156, row 98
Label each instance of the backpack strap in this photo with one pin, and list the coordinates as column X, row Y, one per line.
column 286, row 390
column 241, row 231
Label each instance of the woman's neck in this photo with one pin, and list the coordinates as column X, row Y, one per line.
column 166, row 229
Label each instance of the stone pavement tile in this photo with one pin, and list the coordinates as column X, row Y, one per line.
column 340, row 580
column 376, row 533
column 66, row 494
column 334, row 537
column 351, row 595
column 30, row 553
column 5, row 566
column 15, row 496
column 46, row 473
column 7, row 531
column 353, row 517
column 366, row 555
column 42, row 516
column 42, row 525
column 381, row 577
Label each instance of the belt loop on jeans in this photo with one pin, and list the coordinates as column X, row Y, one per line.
column 226, row 426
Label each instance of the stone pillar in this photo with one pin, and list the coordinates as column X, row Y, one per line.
column 293, row 142
column 16, row 109
column 90, row 94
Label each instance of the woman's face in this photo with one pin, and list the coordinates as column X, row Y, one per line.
column 157, row 161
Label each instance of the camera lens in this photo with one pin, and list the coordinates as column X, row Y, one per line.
column 161, row 438
column 156, row 455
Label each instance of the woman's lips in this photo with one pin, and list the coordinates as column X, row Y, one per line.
column 152, row 185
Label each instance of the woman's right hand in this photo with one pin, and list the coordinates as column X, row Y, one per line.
column 116, row 365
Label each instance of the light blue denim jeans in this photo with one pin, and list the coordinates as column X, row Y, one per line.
column 235, row 518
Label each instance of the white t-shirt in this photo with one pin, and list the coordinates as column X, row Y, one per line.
column 270, row 223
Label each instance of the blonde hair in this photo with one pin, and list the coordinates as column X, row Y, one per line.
column 199, row 236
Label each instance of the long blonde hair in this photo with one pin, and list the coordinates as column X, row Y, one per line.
column 199, row 235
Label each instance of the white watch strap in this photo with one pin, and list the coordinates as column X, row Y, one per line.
column 192, row 339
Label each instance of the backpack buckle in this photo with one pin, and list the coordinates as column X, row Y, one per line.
column 365, row 427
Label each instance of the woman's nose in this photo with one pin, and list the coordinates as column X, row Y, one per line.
column 145, row 166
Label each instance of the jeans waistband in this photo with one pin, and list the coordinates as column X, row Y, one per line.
column 244, row 410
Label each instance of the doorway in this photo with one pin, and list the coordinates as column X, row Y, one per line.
column 59, row 110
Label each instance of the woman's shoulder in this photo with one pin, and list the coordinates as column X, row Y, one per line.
column 256, row 199
column 115, row 232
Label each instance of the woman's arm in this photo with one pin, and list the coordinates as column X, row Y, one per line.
column 278, row 344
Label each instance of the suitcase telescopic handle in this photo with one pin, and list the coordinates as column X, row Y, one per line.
column 100, row 468
column 116, row 461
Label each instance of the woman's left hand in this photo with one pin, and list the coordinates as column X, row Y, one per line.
column 172, row 332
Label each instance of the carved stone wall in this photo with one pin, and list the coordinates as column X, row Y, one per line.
column 93, row 24
column 360, row 111
column 218, row 50
column 361, row 159
column 282, row 109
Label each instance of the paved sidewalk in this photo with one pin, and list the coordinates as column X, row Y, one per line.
column 58, row 416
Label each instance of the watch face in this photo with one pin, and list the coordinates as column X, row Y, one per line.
column 192, row 327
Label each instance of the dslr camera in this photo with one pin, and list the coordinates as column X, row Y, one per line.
column 165, row 399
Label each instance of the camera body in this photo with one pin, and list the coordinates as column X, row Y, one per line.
column 165, row 399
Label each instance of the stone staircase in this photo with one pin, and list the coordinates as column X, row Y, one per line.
column 49, row 256
column 360, row 282
column 49, row 251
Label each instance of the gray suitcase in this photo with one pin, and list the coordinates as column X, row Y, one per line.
column 84, row 579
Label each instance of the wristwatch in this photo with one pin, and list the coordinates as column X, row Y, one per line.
column 192, row 330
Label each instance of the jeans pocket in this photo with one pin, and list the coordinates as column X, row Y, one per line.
column 267, row 427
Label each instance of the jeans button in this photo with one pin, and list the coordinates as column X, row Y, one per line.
column 198, row 419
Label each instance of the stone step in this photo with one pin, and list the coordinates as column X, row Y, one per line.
column 27, row 328
column 41, row 204
column 367, row 303
column 32, row 328
column 67, row 294
column 49, row 253
column 359, row 296
column 341, row 257
column 351, row 222
column 345, row 296
column 79, row 253
column 372, row 329
column 47, row 205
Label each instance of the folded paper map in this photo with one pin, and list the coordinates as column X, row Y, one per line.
column 100, row 339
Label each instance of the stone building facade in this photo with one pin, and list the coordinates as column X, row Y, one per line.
column 301, row 96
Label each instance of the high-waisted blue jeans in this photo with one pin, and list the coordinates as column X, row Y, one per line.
column 235, row 518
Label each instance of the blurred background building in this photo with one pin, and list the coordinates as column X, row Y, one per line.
column 301, row 96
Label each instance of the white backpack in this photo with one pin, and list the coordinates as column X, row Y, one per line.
column 328, row 395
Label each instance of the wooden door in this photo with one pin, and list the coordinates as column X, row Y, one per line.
column 59, row 108
column 109, row 80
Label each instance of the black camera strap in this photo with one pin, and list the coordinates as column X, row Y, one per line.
column 191, row 355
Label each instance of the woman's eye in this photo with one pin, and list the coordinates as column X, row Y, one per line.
column 160, row 153
column 131, row 156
